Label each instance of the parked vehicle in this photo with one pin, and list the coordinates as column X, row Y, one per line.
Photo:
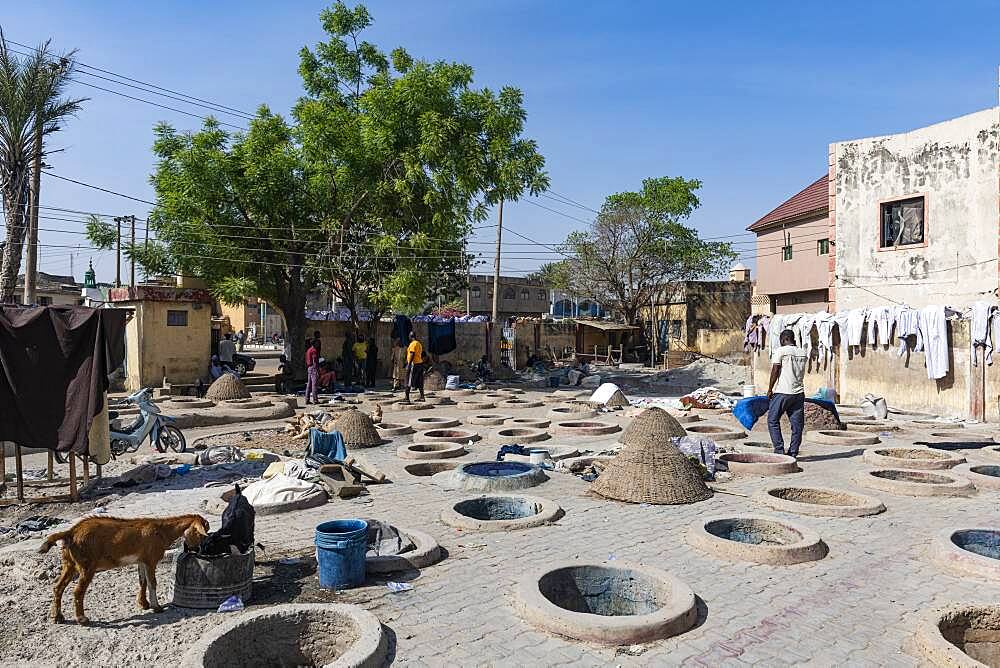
column 243, row 363
column 148, row 423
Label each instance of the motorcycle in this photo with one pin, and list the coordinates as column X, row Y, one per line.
column 148, row 423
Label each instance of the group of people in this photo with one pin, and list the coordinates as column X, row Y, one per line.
column 358, row 364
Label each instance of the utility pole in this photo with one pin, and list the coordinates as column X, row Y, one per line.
column 496, row 283
column 31, row 263
column 118, row 258
column 131, row 219
column 468, row 288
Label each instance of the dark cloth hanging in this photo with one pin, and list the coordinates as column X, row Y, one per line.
column 54, row 368
column 401, row 329
column 441, row 337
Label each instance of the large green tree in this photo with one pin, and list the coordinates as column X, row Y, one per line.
column 638, row 248
column 32, row 107
column 370, row 189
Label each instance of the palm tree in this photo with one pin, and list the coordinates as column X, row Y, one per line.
column 31, row 99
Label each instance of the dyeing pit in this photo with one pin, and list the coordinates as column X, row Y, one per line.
column 495, row 476
column 244, row 404
column 935, row 424
column 519, row 403
column 756, row 446
column 819, row 501
column 425, row 469
column 716, row 432
column 185, row 402
column 842, row 437
column 475, row 405
column 911, row 458
column 489, row 419
column 520, row 435
column 969, row 552
column 961, row 636
column 584, row 428
column 438, row 450
column 571, row 413
column 393, row 429
column 449, row 435
column 501, row 513
column 686, row 418
column 610, row 605
column 758, row 539
column 758, row 463
column 424, row 552
column 315, row 634
column 910, row 482
column 959, row 441
column 534, row 423
column 431, row 422
column 983, row 476
column 413, row 405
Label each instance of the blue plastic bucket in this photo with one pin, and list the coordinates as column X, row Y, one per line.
column 340, row 553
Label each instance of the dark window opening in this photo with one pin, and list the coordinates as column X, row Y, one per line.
column 525, row 294
column 675, row 329
column 45, row 301
column 508, row 293
column 475, row 291
column 902, row 223
column 177, row 318
column 786, row 253
column 823, row 247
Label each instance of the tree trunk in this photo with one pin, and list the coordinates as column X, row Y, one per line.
column 15, row 199
column 294, row 308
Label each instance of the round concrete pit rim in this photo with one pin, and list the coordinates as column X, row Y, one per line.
column 584, row 428
column 519, row 403
column 426, row 552
column 835, row 502
column 368, row 649
column 414, row 405
column 922, row 459
column 494, row 477
column 556, row 454
column 800, row 544
column 914, row 482
column 520, row 435
column 536, row 423
column 717, row 432
column 677, row 614
column 992, row 450
column 545, row 511
column 984, row 476
column 966, row 435
column 873, row 426
column 755, row 446
column 950, row 555
column 938, row 649
column 842, row 437
column 434, row 422
column 393, row 429
column 686, row 418
column 758, row 463
column 510, row 390
column 476, row 405
column 181, row 403
column 567, row 413
column 434, row 450
column 450, row 435
column 429, row 467
column 935, row 425
column 489, row 419
column 244, row 404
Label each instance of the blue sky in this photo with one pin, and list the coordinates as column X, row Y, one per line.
column 743, row 96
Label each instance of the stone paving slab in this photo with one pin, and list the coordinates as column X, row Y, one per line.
column 856, row 607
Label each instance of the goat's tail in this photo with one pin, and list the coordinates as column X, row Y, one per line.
column 52, row 540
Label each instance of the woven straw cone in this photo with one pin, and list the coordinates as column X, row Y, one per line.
column 226, row 387
column 653, row 422
column 651, row 470
column 357, row 429
column 617, row 400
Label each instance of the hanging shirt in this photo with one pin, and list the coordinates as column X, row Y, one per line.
column 979, row 332
column 907, row 325
column 934, row 328
column 441, row 337
column 880, row 319
column 855, row 326
column 825, row 323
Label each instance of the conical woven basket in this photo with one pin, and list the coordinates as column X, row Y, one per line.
column 226, row 387
column 653, row 422
column 357, row 429
column 617, row 400
column 652, row 470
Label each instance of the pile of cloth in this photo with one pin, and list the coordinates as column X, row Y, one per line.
column 707, row 397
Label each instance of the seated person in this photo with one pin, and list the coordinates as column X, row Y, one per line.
column 285, row 375
column 214, row 369
column 327, row 377
column 483, row 369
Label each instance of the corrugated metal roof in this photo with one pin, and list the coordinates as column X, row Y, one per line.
column 812, row 198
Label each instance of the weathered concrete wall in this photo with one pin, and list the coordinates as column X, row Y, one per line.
column 954, row 165
column 808, row 301
column 722, row 343
column 806, row 271
column 152, row 347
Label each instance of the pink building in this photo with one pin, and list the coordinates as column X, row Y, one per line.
column 794, row 251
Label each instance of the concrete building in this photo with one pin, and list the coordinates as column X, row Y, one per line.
column 794, row 251
column 52, row 290
column 914, row 216
column 518, row 296
column 168, row 336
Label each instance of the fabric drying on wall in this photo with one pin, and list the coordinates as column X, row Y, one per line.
column 441, row 337
column 401, row 328
column 54, row 368
column 880, row 321
column 907, row 325
column 979, row 332
column 934, row 328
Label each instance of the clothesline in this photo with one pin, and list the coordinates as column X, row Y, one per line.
column 926, row 327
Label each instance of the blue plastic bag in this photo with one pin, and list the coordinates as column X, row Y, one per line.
column 749, row 410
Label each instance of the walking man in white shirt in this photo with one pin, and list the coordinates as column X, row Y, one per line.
column 226, row 351
column 786, row 393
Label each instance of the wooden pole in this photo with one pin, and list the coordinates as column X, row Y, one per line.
column 3, row 465
column 51, row 465
column 118, row 257
column 73, row 494
column 132, row 259
column 496, row 290
column 31, row 262
column 20, row 472
column 86, row 469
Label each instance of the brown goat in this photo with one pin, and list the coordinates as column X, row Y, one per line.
column 98, row 544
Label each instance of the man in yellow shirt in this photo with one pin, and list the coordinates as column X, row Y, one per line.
column 414, row 366
column 360, row 349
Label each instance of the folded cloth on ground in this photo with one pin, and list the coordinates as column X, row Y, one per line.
column 220, row 454
column 280, row 489
column 328, row 444
column 702, row 449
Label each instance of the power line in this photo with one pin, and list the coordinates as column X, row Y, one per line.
column 106, row 190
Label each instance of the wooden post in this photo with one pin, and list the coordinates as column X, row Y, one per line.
column 496, row 291
column 86, row 469
column 50, row 466
column 3, row 465
column 20, row 472
column 73, row 494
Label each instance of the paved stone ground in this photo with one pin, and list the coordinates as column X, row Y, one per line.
column 856, row 607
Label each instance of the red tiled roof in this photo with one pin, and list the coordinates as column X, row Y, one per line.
column 814, row 197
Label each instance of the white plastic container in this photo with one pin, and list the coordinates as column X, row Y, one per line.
column 749, row 390
column 537, row 456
